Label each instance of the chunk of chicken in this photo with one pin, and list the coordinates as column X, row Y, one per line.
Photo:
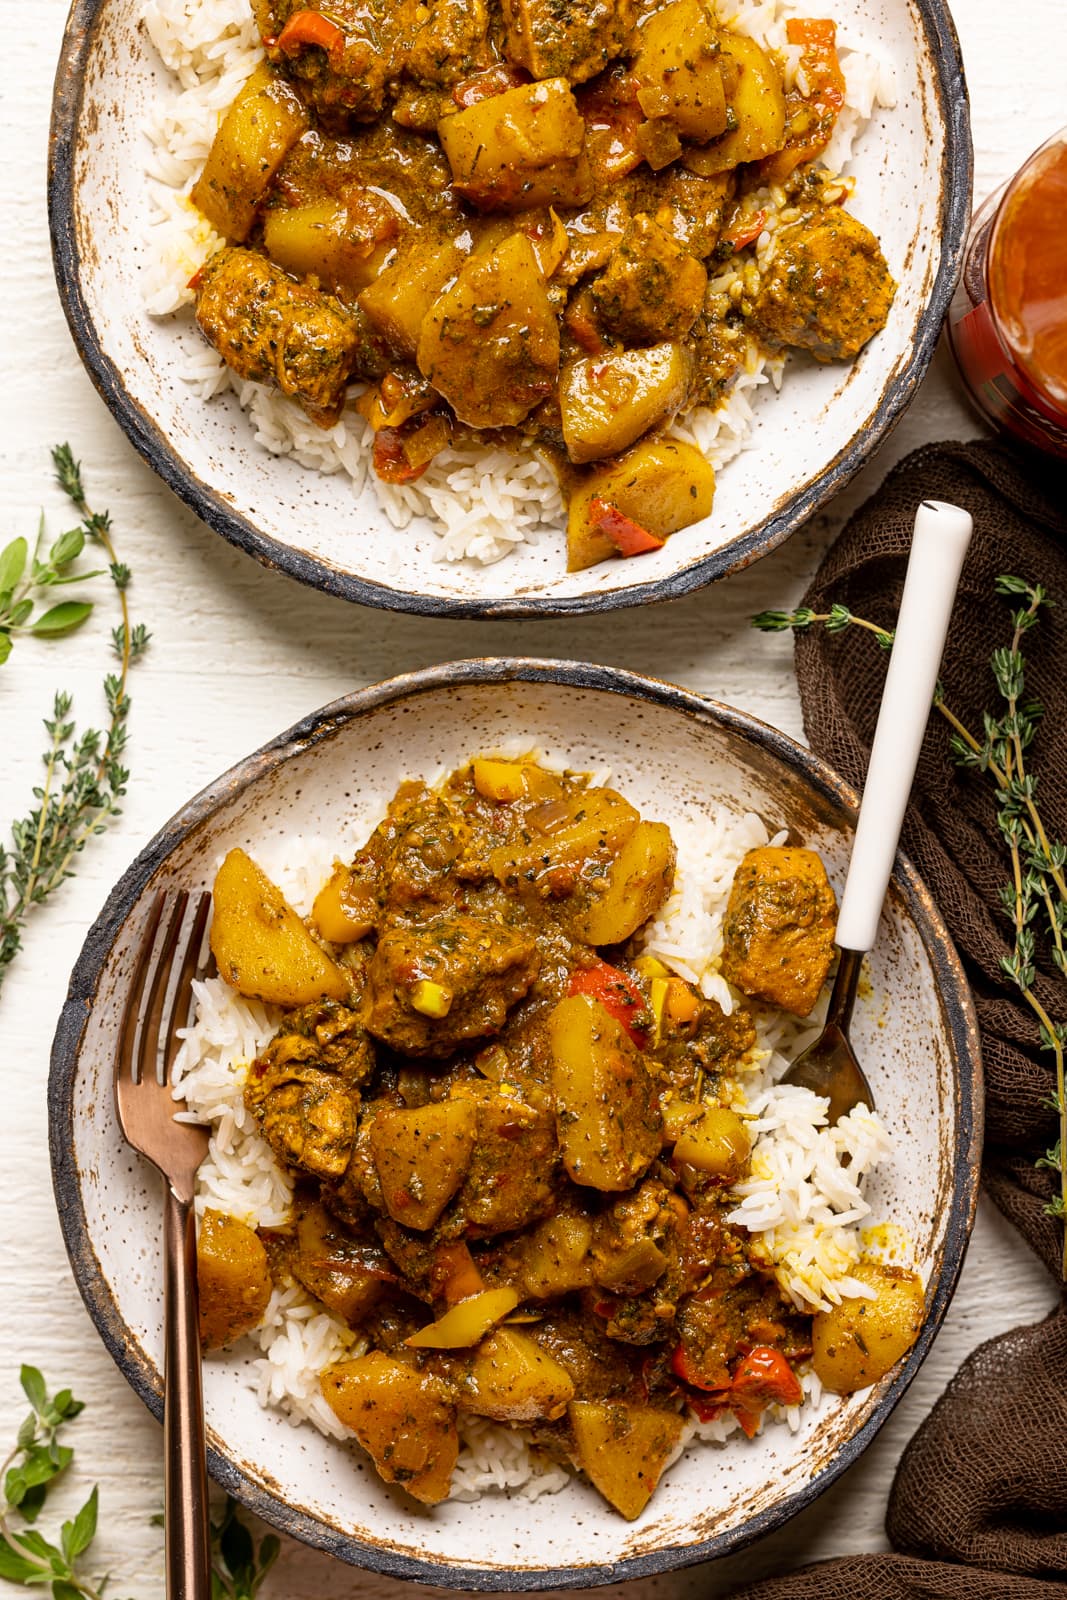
column 433, row 986
column 651, row 289
column 511, row 1179
column 442, row 41
column 271, row 329
column 345, row 66
column 829, row 289
column 572, row 41
column 308, row 1116
column 779, row 927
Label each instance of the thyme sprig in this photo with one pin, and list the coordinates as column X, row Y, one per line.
column 84, row 775
column 1034, row 900
column 30, row 1560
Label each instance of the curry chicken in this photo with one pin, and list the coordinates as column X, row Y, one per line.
column 510, row 1134
column 512, row 218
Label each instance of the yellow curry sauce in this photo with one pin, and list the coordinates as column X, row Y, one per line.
column 508, row 1133
column 502, row 217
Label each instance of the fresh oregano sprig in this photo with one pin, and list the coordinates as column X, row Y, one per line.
column 30, row 1560
column 26, row 576
column 238, row 1567
column 26, row 1556
column 1035, row 898
column 84, row 774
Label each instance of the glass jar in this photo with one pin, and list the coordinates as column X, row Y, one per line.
column 1008, row 320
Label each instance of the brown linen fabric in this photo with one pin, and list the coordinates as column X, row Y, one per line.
column 979, row 1505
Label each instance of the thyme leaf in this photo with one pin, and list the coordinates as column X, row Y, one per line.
column 84, row 776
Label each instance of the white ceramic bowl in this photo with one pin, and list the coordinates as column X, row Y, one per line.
column 675, row 755
column 913, row 171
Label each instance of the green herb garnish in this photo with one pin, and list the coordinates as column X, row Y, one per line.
column 84, row 778
column 29, row 1559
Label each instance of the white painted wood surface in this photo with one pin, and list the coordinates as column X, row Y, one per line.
column 237, row 655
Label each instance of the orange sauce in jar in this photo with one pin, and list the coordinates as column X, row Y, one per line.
column 1008, row 324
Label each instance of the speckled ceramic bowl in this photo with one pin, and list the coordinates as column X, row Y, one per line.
column 675, row 755
column 913, row 171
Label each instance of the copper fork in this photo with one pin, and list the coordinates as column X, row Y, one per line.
column 158, row 1005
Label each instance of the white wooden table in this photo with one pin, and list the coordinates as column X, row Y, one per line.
column 238, row 654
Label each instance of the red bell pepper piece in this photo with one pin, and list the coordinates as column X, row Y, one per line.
column 762, row 1378
column 618, row 994
column 309, row 27
column 818, row 36
column 488, row 84
column 681, row 1368
column 748, row 232
column 390, row 462
column 628, row 537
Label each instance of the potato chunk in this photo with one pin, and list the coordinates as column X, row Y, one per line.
column 345, row 909
column 677, row 71
column 234, row 1279
column 513, row 1380
column 256, row 134
column 556, row 1258
column 857, row 1342
column 262, row 948
column 522, row 148
column 652, row 288
column 779, row 927
column 609, row 401
column 564, row 838
column 422, row 1157
column 490, row 342
column 576, row 41
column 607, row 1119
column 623, row 1449
column 321, row 238
column 715, row 1143
column 636, row 886
column 400, row 297
column 403, row 1418
column 661, row 484
column 757, row 103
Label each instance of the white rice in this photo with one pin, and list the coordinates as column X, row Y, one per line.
column 804, row 1210
column 482, row 501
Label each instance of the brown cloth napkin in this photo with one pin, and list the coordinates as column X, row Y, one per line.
column 979, row 1505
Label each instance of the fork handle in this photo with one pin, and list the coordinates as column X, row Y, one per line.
column 942, row 534
column 188, row 1549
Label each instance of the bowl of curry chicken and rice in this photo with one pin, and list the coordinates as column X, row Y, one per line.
column 501, row 307
column 519, row 1265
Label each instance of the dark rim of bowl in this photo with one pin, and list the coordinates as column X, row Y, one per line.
column 957, row 1010
column 212, row 507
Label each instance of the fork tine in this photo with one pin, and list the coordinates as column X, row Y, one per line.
column 183, row 992
column 151, row 1028
column 128, row 1031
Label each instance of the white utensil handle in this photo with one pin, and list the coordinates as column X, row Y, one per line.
column 942, row 534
